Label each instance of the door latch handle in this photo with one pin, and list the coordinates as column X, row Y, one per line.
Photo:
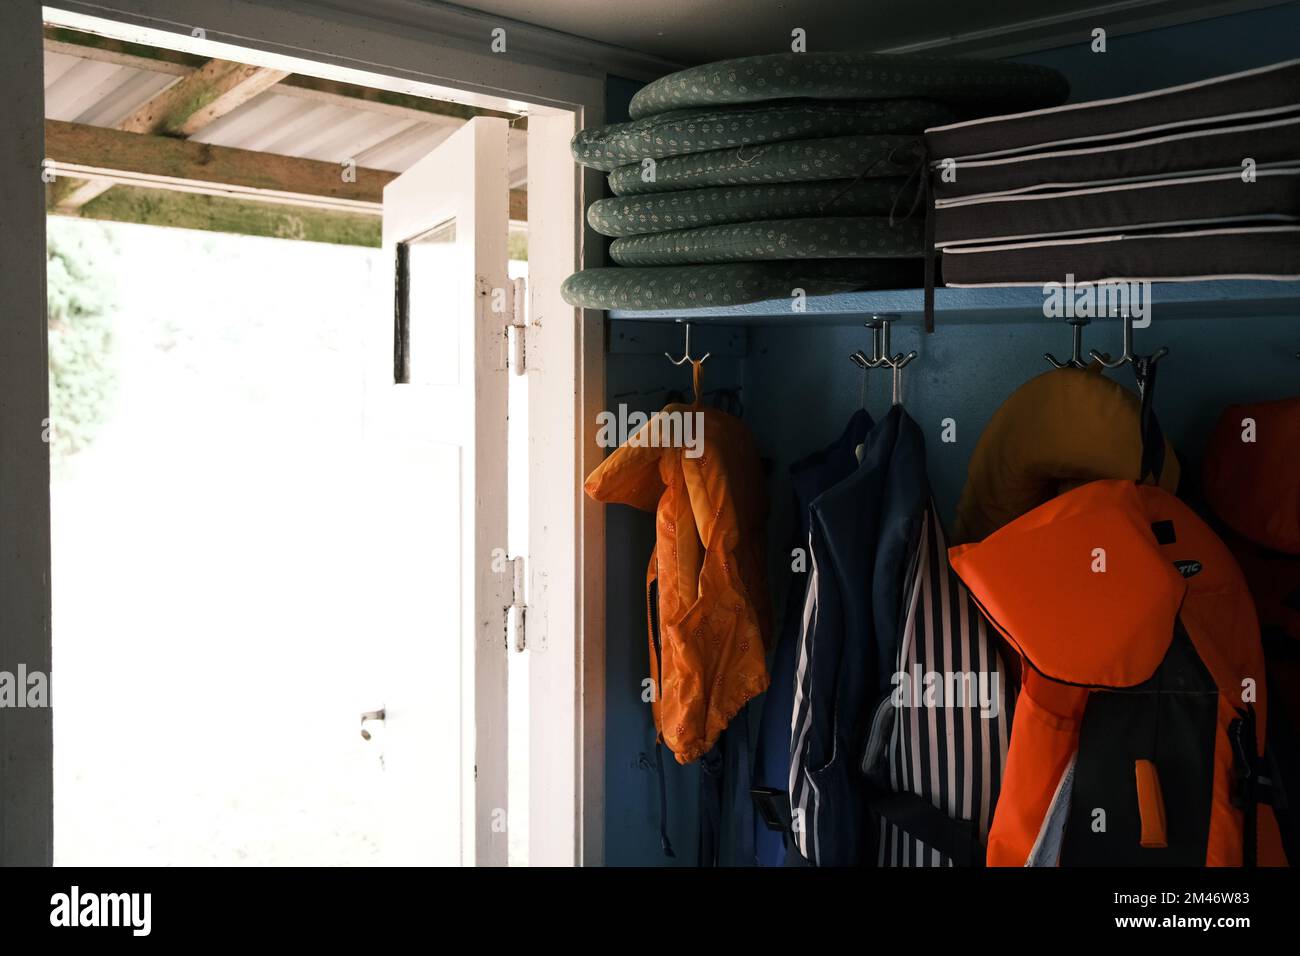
column 370, row 715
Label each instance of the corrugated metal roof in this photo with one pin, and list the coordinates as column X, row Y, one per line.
column 97, row 93
column 294, row 126
column 291, row 121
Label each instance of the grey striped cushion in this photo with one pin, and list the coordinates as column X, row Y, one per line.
column 692, row 208
column 847, row 237
column 694, row 131
column 994, row 85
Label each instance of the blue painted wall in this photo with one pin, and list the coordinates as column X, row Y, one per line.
column 1137, row 62
column 799, row 388
column 643, row 382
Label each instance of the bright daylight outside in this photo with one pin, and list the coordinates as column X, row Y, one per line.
column 213, row 566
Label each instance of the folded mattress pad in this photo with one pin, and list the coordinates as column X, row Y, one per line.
column 1248, row 96
column 1260, row 252
column 1219, row 148
column 1272, row 195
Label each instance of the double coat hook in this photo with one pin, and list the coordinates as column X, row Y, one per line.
column 1127, row 357
column 687, row 357
column 1076, row 359
column 880, row 355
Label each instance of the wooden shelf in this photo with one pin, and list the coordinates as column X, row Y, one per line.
column 1218, row 298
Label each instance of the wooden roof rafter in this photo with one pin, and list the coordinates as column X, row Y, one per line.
column 152, row 172
column 147, row 162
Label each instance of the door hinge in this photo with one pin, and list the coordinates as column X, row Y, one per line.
column 520, row 359
column 517, row 609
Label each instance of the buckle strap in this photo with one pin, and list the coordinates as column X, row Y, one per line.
column 919, row 818
column 1252, row 787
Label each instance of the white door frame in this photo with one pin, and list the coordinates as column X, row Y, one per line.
column 396, row 44
column 444, row 684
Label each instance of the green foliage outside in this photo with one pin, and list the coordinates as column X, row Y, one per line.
column 517, row 245
column 80, row 260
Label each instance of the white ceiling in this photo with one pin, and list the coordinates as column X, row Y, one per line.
column 697, row 31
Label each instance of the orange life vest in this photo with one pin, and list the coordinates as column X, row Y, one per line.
column 706, row 586
column 1141, row 653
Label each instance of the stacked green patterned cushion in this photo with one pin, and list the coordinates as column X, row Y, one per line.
column 768, row 173
column 688, row 208
column 802, row 160
column 839, row 237
column 985, row 87
column 733, row 283
column 695, row 131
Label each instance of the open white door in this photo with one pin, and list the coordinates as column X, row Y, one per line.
column 436, row 428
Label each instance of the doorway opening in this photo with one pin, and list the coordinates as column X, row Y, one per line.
column 230, row 574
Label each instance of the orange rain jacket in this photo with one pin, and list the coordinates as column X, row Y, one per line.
column 708, row 655
column 1080, row 631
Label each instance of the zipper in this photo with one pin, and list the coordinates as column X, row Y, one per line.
column 652, row 615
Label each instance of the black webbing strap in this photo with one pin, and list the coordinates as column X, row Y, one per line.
column 1253, row 786
column 928, row 199
column 652, row 612
column 922, row 820
column 664, row 843
column 711, row 807
column 1153, row 439
column 922, row 195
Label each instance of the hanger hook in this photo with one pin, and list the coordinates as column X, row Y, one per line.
column 859, row 358
column 897, row 364
column 879, row 326
column 687, row 357
column 1127, row 356
column 1076, row 359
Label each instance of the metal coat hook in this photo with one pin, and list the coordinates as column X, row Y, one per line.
column 898, row 363
column 1076, row 359
column 1127, row 357
column 687, row 357
column 859, row 358
column 881, row 357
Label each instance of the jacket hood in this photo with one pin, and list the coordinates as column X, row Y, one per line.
column 1088, row 587
column 1079, row 587
column 1059, row 430
column 706, row 582
column 1250, row 476
column 641, row 470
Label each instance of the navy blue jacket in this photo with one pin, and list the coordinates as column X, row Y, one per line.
column 863, row 533
column 809, row 477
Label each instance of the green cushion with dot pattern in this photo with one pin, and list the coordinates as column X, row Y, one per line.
column 692, row 208
column 737, row 283
column 797, row 161
column 695, row 131
column 839, row 237
column 992, row 86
